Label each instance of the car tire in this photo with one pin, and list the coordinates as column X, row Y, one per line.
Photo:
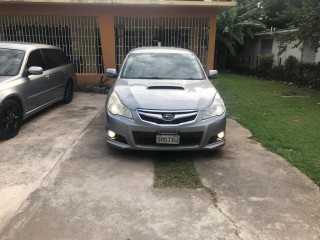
column 68, row 92
column 10, row 119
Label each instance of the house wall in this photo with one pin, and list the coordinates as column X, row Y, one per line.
column 106, row 15
column 277, row 59
column 290, row 51
column 252, row 50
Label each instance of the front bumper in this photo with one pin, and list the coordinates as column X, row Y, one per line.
column 136, row 134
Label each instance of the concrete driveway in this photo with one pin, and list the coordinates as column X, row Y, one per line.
column 58, row 180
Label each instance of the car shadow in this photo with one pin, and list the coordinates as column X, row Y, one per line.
column 156, row 155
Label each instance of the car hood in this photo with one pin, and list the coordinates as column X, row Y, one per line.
column 4, row 78
column 165, row 94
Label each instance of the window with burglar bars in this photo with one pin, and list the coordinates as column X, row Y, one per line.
column 79, row 37
column 189, row 33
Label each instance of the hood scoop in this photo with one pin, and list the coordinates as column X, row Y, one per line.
column 165, row 86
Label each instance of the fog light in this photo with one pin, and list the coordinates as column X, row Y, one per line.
column 221, row 135
column 111, row 134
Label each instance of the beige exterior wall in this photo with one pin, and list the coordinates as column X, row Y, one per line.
column 253, row 47
column 290, row 51
column 106, row 14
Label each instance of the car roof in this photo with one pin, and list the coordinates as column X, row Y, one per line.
column 24, row 46
column 161, row 50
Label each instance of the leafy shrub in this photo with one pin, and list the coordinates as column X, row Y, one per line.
column 302, row 74
column 308, row 75
column 291, row 69
column 277, row 73
column 264, row 68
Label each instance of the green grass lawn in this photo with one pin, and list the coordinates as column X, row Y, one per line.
column 285, row 119
column 177, row 170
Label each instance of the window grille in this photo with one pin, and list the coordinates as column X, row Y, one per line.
column 189, row 33
column 79, row 37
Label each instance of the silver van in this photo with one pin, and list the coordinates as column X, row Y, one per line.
column 32, row 77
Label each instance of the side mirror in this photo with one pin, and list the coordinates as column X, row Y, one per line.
column 111, row 73
column 213, row 74
column 35, row 70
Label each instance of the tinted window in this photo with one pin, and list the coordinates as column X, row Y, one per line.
column 36, row 60
column 63, row 56
column 10, row 61
column 53, row 58
column 162, row 66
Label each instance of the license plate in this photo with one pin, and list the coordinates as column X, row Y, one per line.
column 167, row 139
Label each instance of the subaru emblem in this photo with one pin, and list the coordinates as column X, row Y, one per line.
column 168, row 116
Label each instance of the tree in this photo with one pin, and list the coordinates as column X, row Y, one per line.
column 278, row 14
column 308, row 22
column 301, row 15
column 233, row 26
column 305, row 28
column 236, row 24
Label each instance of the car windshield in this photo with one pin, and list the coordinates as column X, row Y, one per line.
column 162, row 66
column 10, row 61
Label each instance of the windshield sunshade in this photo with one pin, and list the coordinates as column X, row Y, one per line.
column 10, row 61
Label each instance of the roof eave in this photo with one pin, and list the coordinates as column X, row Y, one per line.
column 218, row 6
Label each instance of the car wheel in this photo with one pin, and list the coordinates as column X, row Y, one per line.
column 68, row 92
column 10, row 119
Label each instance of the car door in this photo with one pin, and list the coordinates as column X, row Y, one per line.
column 56, row 72
column 35, row 86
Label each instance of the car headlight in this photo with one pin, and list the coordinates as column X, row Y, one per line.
column 116, row 107
column 217, row 108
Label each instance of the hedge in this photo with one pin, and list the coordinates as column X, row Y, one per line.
column 293, row 71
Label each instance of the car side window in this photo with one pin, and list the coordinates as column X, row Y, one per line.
column 63, row 56
column 52, row 58
column 35, row 59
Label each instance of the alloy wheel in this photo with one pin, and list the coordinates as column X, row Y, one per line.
column 11, row 118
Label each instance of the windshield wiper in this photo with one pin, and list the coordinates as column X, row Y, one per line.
column 151, row 78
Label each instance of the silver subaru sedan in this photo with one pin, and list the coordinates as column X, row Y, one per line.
column 163, row 100
column 32, row 77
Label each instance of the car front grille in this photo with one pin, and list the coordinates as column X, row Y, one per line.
column 149, row 139
column 168, row 117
